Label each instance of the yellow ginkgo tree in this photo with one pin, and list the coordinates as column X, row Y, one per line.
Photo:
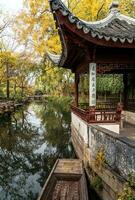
column 35, row 27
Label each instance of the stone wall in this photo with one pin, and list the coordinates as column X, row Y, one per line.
column 129, row 117
column 119, row 152
column 119, row 156
column 81, row 127
column 112, row 127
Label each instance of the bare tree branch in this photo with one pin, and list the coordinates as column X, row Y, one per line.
column 100, row 9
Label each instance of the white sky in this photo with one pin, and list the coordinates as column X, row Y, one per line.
column 11, row 6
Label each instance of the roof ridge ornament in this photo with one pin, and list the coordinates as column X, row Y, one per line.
column 114, row 7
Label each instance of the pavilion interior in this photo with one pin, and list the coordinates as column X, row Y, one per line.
column 106, row 100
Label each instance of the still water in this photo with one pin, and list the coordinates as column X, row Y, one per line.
column 30, row 142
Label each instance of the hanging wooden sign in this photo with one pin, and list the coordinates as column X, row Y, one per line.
column 92, row 84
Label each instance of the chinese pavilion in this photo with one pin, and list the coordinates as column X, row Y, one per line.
column 105, row 46
column 102, row 47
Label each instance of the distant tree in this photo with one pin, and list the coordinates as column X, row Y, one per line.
column 35, row 28
column 7, row 62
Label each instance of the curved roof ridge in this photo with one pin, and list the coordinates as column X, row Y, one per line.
column 128, row 19
column 100, row 23
column 115, row 26
column 114, row 13
column 55, row 58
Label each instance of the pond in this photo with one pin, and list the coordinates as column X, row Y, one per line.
column 31, row 140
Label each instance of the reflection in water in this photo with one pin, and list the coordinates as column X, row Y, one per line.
column 30, row 142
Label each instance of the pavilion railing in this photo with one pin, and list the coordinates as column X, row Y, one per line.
column 111, row 106
column 96, row 116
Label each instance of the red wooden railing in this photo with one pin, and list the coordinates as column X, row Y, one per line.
column 97, row 116
column 111, row 106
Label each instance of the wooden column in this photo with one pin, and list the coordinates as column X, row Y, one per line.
column 125, row 90
column 76, row 89
column 92, row 84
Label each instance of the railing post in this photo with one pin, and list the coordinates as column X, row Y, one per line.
column 118, row 112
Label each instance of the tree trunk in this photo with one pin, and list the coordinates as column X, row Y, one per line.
column 15, row 90
column 22, row 89
column 7, row 82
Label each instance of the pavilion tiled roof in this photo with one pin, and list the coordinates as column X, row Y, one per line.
column 109, row 42
column 115, row 27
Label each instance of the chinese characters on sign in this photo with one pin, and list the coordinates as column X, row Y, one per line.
column 92, row 84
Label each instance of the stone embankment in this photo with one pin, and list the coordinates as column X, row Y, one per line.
column 8, row 107
column 109, row 159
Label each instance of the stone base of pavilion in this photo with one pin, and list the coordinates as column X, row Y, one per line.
column 122, row 123
column 125, row 128
column 107, row 151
